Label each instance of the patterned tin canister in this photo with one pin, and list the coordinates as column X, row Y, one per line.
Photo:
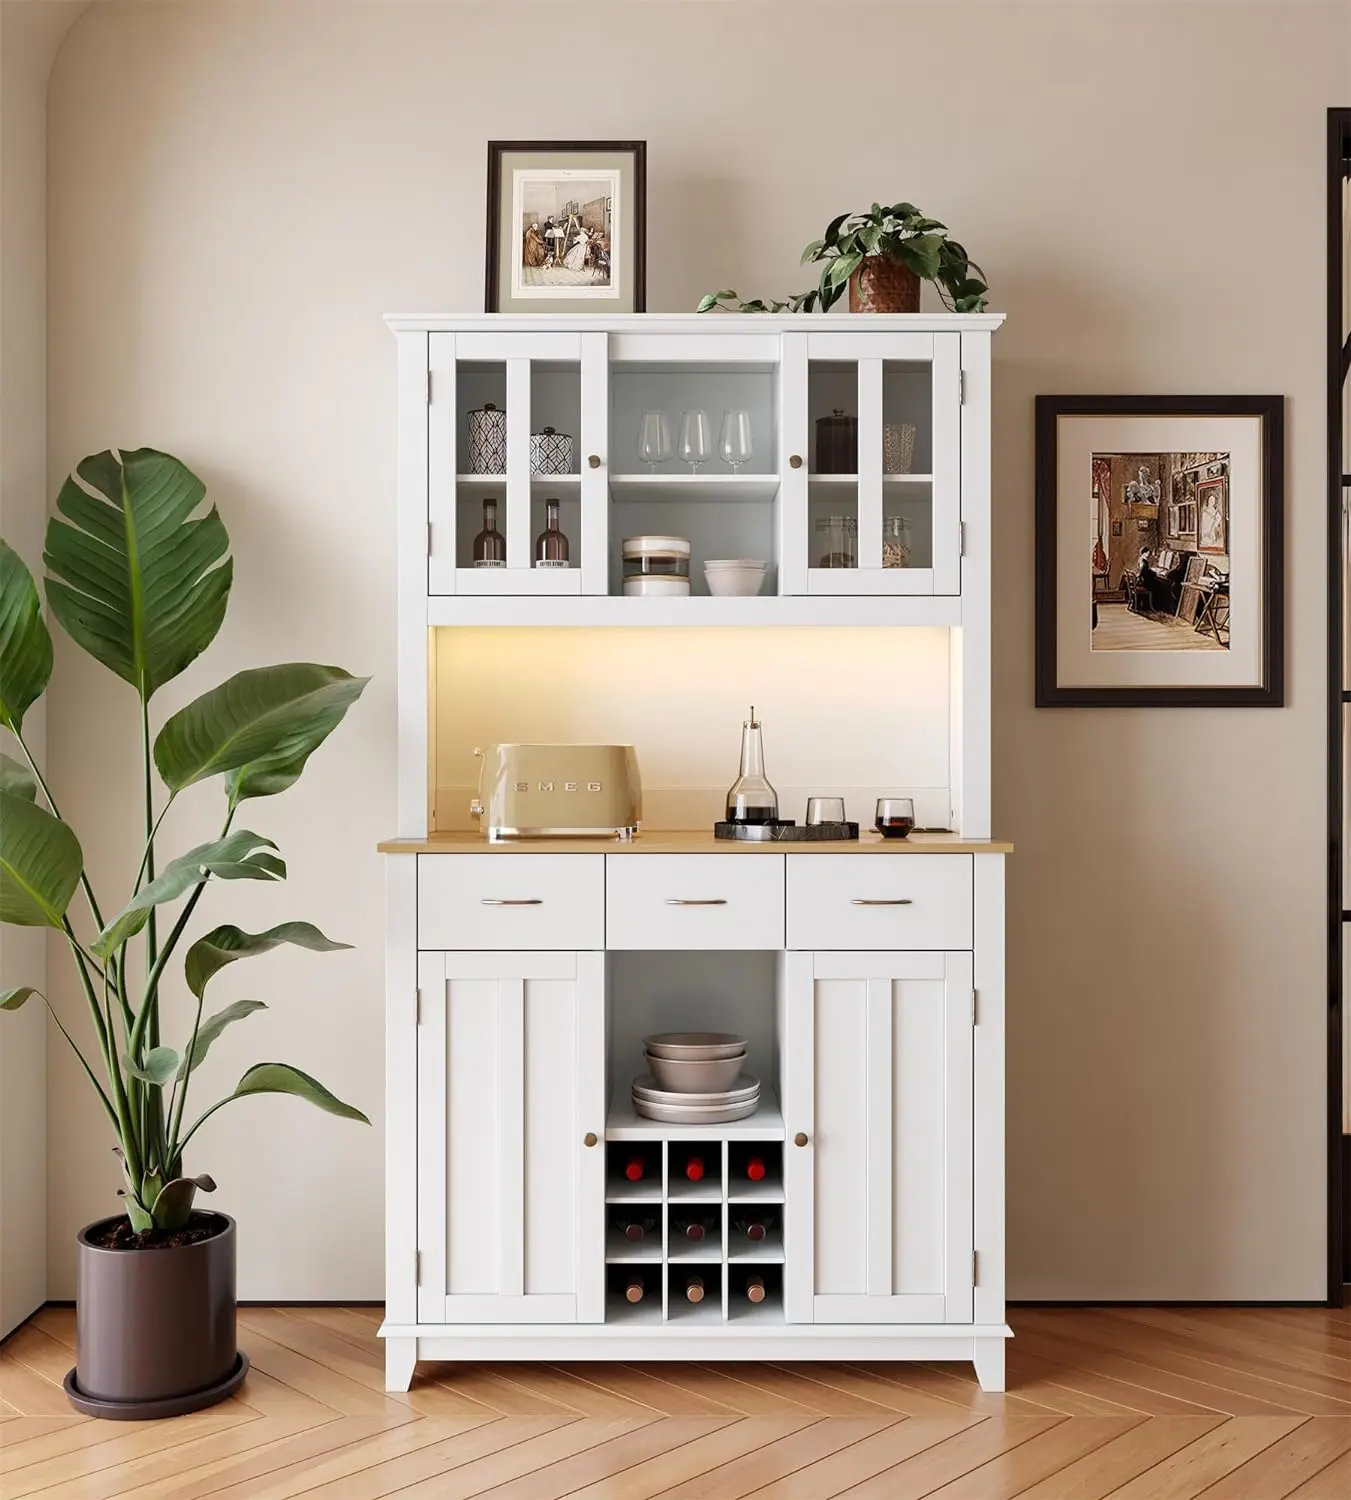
column 898, row 447
column 550, row 452
column 487, row 440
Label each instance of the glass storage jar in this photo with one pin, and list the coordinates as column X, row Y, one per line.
column 837, row 542
column 656, row 565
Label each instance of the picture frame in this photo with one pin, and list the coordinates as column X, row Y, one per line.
column 566, row 227
column 1180, row 617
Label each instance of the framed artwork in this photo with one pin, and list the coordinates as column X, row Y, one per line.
column 567, row 227
column 1200, row 575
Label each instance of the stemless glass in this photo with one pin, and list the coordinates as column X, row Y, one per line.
column 895, row 817
column 734, row 443
column 695, row 448
column 654, row 439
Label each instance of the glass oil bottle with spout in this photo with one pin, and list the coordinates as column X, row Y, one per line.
column 751, row 798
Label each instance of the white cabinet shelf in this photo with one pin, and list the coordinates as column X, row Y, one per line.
column 509, row 1121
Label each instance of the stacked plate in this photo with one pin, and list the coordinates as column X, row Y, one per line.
column 695, row 1078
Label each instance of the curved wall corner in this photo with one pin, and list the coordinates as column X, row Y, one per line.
column 31, row 33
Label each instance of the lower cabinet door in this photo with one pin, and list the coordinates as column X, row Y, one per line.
column 877, row 1104
column 511, row 1198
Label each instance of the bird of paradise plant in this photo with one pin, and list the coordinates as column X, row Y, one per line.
column 138, row 575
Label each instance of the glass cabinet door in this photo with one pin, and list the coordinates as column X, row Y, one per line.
column 516, row 444
column 872, row 484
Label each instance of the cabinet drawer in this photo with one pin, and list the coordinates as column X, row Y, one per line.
column 694, row 901
column 511, row 901
column 876, row 901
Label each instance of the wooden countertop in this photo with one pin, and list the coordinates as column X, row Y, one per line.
column 692, row 841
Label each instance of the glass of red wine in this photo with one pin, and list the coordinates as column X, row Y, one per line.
column 895, row 817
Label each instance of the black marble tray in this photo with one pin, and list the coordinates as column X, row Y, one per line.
column 786, row 832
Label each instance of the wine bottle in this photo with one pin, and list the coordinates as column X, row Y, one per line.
column 490, row 546
column 694, row 1168
column 694, row 1288
column 634, row 1169
column 755, row 1227
column 634, row 1229
column 551, row 546
column 755, row 1289
column 755, row 1169
column 695, row 1227
column 634, row 1289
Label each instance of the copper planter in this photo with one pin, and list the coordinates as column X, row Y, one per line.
column 155, row 1329
column 883, row 285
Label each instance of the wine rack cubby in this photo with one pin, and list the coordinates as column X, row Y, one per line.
column 721, row 1224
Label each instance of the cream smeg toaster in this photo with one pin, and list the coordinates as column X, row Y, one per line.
column 558, row 791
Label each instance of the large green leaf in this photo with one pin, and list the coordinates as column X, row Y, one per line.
column 281, row 1078
column 238, row 856
column 212, row 1027
column 25, row 646
column 135, row 579
column 17, row 779
column 40, row 864
column 13, row 999
column 225, row 944
column 161, row 1063
column 262, row 724
column 173, row 1203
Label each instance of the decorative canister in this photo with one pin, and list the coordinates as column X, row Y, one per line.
column 883, row 285
column 550, row 452
column 898, row 447
column 487, row 440
column 656, row 565
column 897, row 546
column 837, row 542
column 837, row 443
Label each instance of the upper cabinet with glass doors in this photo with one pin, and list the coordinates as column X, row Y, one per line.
column 832, row 455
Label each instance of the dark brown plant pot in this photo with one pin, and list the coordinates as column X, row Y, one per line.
column 883, row 285
column 155, row 1328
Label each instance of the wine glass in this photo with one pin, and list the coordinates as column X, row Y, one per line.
column 654, row 439
column 695, row 447
column 734, row 443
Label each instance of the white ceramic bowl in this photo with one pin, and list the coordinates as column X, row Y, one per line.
column 734, row 575
column 695, row 1046
column 712, row 1075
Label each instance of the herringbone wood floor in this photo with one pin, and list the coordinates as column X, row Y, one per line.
column 1139, row 1404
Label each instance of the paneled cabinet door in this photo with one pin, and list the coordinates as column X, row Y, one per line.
column 510, row 1090
column 877, row 1105
column 871, row 432
column 515, row 420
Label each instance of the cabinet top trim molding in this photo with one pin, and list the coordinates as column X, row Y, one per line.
column 690, row 842
column 733, row 323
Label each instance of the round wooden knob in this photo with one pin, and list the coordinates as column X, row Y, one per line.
column 589, row 1139
column 800, row 1139
column 594, row 460
column 795, row 461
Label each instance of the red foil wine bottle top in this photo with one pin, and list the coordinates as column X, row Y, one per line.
column 694, row 1169
column 755, row 1290
column 755, row 1231
column 633, row 1292
column 694, row 1231
column 633, row 1231
column 633, row 1169
column 694, row 1292
column 755, row 1169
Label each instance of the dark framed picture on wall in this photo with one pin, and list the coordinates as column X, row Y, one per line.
column 567, row 227
column 1160, row 551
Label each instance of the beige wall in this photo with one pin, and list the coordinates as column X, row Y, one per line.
column 30, row 33
column 229, row 220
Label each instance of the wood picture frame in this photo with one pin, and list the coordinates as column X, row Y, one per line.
column 1146, row 652
column 566, row 227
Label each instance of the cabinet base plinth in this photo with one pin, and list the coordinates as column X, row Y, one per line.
column 981, row 1345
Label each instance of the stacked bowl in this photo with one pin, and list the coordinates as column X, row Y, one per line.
column 695, row 1078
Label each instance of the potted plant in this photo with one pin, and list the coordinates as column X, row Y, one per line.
column 881, row 256
column 139, row 576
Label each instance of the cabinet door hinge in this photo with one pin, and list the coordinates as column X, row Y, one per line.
column 975, row 1009
column 429, row 387
column 417, row 1268
column 961, row 539
column 420, row 1011
column 961, row 388
column 429, row 538
column 975, row 1268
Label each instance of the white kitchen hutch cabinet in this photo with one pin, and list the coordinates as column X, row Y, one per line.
column 868, row 977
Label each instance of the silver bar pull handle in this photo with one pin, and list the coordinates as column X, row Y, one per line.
column 511, row 901
column 681, row 901
column 895, row 901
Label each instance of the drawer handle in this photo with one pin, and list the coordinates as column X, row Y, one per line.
column 682, row 901
column 511, row 901
column 890, row 901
